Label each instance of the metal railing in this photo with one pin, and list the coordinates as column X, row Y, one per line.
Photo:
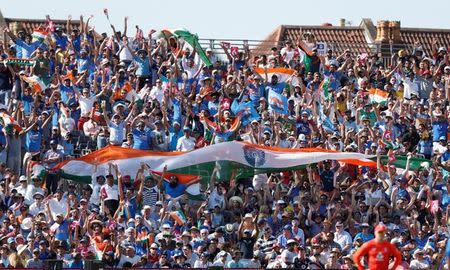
column 386, row 50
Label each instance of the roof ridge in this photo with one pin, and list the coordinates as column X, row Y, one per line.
column 39, row 20
column 334, row 27
column 424, row 29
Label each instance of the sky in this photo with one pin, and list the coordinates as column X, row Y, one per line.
column 233, row 19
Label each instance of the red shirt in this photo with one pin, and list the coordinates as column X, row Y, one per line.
column 379, row 254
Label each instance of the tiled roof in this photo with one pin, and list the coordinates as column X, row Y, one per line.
column 425, row 37
column 28, row 25
column 338, row 38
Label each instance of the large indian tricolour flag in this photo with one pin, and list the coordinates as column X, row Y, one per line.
column 240, row 158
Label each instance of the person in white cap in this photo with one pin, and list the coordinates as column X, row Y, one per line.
column 288, row 255
column 419, row 262
column 22, row 188
column 37, row 206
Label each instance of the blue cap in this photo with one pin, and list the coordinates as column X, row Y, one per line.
column 205, row 254
column 186, row 129
column 178, row 253
column 287, row 227
column 442, row 138
column 267, row 130
column 11, row 240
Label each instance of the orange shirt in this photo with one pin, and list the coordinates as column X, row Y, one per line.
column 378, row 254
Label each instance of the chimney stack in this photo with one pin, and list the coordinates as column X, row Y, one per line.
column 342, row 22
column 383, row 33
column 394, row 29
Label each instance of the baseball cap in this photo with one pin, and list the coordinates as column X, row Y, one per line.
column 380, row 228
column 291, row 241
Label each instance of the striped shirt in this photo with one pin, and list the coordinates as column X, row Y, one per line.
column 266, row 246
column 150, row 195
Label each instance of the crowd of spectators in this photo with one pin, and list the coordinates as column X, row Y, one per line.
column 114, row 89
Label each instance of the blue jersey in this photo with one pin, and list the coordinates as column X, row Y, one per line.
column 278, row 87
column 303, row 128
column 142, row 139
column 174, row 192
column 143, row 66
column 33, row 140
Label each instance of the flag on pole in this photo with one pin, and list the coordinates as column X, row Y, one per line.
column 305, row 59
column 192, row 39
column 378, row 96
column 234, row 51
column 324, row 86
column 49, row 24
column 278, row 103
column 282, row 73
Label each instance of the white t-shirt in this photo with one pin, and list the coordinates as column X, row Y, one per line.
column 90, row 129
column 289, row 54
column 216, row 199
column 124, row 259
column 185, row 144
column 189, row 70
column 343, row 239
column 67, row 124
column 35, row 209
column 199, row 264
column 157, row 93
column 109, row 192
column 125, row 54
column 419, row 265
column 86, row 104
column 58, row 207
column 288, row 256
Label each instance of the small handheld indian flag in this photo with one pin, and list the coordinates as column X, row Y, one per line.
column 178, row 217
column 282, row 73
column 378, row 96
column 6, row 119
column 39, row 35
column 36, row 83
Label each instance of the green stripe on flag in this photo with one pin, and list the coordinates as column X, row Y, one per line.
column 400, row 162
column 204, row 170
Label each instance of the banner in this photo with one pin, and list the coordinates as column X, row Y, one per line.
column 278, row 102
column 243, row 158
